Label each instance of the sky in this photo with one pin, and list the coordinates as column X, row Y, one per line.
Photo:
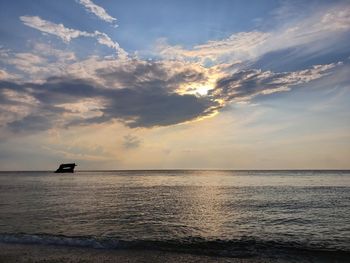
column 159, row 84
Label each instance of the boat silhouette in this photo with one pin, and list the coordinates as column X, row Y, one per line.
column 66, row 168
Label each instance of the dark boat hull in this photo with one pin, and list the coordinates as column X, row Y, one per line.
column 66, row 168
column 62, row 171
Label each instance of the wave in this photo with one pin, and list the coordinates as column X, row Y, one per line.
column 244, row 247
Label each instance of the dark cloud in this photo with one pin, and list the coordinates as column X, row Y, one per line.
column 145, row 97
column 140, row 95
column 147, row 108
column 31, row 123
column 248, row 83
column 145, row 75
column 150, row 107
column 245, row 83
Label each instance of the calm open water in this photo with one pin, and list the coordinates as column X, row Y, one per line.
column 234, row 213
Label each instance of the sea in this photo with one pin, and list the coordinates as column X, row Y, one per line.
column 208, row 212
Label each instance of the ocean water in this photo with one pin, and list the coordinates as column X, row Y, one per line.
column 223, row 213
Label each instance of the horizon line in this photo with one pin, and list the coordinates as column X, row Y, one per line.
column 189, row 169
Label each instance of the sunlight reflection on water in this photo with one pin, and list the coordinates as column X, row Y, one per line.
column 163, row 205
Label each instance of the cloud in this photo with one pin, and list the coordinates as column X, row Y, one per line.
column 238, row 46
column 43, row 61
column 143, row 74
column 67, row 34
column 47, row 50
column 59, row 30
column 4, row 75
column 104, row 39
column 131, row 142
column 28, row 63
column 149, row 108
column 99, row 11
column 31, row 123
column 146, row 96
column 147, row 100
column 317, row 33
column 247, row 84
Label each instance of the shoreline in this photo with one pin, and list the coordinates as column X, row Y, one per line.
column 10, row 253
column 14, row 252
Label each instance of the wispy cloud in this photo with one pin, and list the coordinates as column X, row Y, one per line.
column 238, row 46
column 59, row 30
column 43, row 61
column 4, row 75
column 319, row 31
column 247, row 84
column 98, row 11
column 131, row 142
column 67, row 34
